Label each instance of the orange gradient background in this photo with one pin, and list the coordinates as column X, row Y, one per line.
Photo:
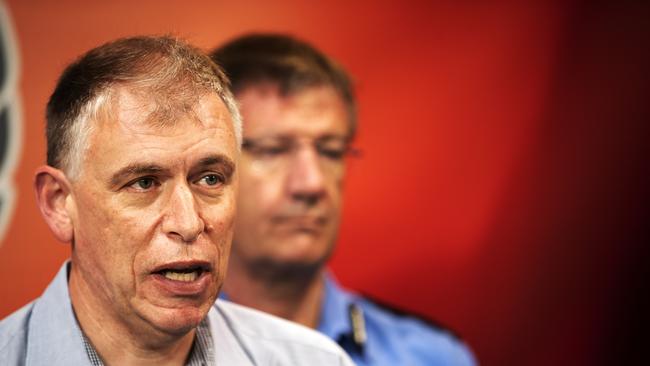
column 501, row 180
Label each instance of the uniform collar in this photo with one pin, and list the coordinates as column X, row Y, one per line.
column 335, row 317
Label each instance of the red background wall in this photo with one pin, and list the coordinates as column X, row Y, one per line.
column 502, row 181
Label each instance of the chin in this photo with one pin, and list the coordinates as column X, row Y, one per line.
column 179, row 321
column 305, row 261
column 304, row 255
column 280, row 269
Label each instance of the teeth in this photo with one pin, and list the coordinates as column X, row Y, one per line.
column 183, row 277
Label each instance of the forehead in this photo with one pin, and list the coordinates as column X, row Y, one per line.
column 137, row 127
column 133, row 108
column 314, row 111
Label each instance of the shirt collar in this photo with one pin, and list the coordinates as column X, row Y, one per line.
column 201, row 354
column 56, row 338
column 335, row 318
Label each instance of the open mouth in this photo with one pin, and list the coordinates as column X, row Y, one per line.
column 182, row 272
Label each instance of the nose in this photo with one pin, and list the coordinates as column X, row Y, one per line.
column 306, row 179
column 182, row 219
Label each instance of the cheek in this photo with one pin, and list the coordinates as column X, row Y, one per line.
column 106, row 247
column 222, row 223
column 93, row 229
column 335, row 187
column 117, row 233
column 259, row 193
column 221, row 216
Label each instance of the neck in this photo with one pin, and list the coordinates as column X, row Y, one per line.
column 116, row 343
column 297, row 298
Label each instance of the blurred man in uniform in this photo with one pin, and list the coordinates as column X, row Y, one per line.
column 141, row 178
column 300, row 117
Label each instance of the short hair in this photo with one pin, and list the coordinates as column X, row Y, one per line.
column 292, row 64
column 170, row 70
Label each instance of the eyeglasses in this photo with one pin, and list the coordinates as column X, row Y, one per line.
column 273, row 152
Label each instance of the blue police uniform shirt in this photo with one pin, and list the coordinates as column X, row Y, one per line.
column 390, row 338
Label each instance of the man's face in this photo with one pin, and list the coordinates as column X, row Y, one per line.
column 291, row 174
column 153, row 213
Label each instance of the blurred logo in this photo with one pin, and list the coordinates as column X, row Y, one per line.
column 10, row 118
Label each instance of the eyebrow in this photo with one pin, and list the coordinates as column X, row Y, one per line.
column 137, row 169
column 337, row 138
column 225, row 163
column 216, row 160
column 134, row 169
column 289, row 138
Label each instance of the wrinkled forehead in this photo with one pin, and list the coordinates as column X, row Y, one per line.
column 133, row 107
column 132, row 119
column 137, row 127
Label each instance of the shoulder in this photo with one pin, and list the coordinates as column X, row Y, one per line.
column 414, row 334
column 13, row 335
column 268, row 338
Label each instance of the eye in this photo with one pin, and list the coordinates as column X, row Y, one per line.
column 333, row 149
column 266, row 148
column 211, row 179
column 333, row 154
column 269, row 151
column 143, row 184
column 273, row 150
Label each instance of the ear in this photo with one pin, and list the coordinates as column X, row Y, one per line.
column 52, row 192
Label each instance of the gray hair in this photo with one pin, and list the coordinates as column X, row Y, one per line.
column 172, row 72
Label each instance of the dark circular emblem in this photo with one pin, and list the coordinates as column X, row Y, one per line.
column 10, row 118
